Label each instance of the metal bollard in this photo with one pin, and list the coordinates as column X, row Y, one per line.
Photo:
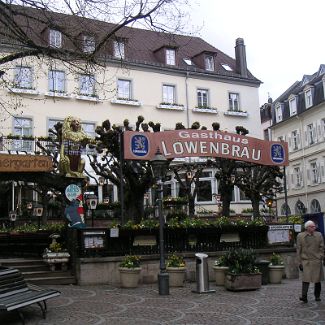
column 202, row 274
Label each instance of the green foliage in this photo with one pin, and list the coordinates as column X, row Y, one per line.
column 247, row 210
column 55, row 247
column 34, row 228
column 144, row 224
column 241, row 260
column 292, row 219
column 221, row 261
column 130, row 261
column 175, row 261
column 276, row 259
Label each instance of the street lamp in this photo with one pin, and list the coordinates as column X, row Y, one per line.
column 38, row 212
column 91, row 202
column 159, row 165
column 29, row 207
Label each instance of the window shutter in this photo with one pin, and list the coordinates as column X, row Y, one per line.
column 308, row 176
column 292, row 176
column 322, row 171
column 298, row 139
column 290, row 143
column 301, row 179
column 306, row 136
column 314, row 132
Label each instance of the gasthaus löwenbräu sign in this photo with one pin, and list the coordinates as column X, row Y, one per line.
column 203, row 143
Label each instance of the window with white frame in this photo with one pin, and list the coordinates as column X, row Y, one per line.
column 242, row 195
column 308, row 98
column 55, row 38
column 51, row 123
column 202, row 98
column 234, row 102
column 310, row 134
column 170, row 56
column 89, row 128
column 293, row 106
column 278, row 113
column 168, row 186
column 23, row 77
column 87, row 85
column 56, row 81
column 119, row 49
column 169, row 94
column 124, row 89
column 295, row 140
column 314, row 172
column 205, row 187
column 89, row 44
column 209, row 62
column 297, row 177
column 23, row 126
column 285, row 210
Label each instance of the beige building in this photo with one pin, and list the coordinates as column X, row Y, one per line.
column 299, row 119
column 166, row 79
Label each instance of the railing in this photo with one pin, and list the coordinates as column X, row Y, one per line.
column 102, row 242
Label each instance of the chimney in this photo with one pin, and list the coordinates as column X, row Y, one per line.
column 240, row 52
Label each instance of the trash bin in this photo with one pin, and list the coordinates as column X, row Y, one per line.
column 202, row 274
column 263, row 266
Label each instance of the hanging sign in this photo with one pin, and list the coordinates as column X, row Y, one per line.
column 25, row 163
column 72, row 191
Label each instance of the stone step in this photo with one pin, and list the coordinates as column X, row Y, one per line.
column 58, row 280
column 10, row 262
column 43, row 274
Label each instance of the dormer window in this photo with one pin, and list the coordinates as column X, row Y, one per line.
column 278, row 112
column 89, row 44
column 55, row 38
column 170, row 56
column 209, row 63
column 119, row 49
column 293, row 105
column 308, row 98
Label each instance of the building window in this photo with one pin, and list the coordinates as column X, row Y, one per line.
column 119, row 49
column 23, row 77
column 202, row 98
column 57, row 81
column 297, row 177
column 278, row 113
column 234, row 102
column 295, row 140
column 285, row 208
column 310, row 134
column 23, row 128
column 89, row 44
column 315, row 206
column 87, row 85
column 55, row 38
column 293, row 106
column 308, row 98
column 204, row 190
column 89, row 128
column 123, row 89
column 209, row 63
column 51, row 123
column 169, row 94
column 314, row 173
column 170, row 56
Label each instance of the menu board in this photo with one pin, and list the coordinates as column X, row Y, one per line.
column 94, row 239
column 279, row 234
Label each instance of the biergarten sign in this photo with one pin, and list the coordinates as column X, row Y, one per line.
column 25, row 163
column 203, row 143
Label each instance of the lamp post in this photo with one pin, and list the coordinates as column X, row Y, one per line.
column 29, row 207
column 38, row 212
column 91, row 202
column 159, row 165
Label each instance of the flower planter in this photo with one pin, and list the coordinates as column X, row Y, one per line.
column 275, row 273
column 129, row 277
column 244, row 281
column 176, row 276
column 59, row 258
column 220, row 274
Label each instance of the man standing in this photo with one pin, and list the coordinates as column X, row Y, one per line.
column 310, row 251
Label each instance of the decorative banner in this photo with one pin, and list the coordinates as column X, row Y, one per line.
column 72, row 192
column 25, row 163
column 202, row 143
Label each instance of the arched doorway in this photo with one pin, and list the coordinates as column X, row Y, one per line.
column 315, row 206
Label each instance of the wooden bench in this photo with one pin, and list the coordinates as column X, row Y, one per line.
column 15, row 293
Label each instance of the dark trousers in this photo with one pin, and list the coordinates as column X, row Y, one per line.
column 317, row 289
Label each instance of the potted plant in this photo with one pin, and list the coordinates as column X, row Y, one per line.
column 276, row 269
column 176, row 269
column 242, row 274
column 220, row 268
column 130, row 271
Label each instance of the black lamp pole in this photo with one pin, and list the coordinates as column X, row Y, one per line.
column 159, row 166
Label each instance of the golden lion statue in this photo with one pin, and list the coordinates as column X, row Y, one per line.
column 71, row 164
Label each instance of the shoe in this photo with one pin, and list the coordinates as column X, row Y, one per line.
column 317, row 299
column 304, row 299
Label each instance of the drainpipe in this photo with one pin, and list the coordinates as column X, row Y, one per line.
column 187, row 101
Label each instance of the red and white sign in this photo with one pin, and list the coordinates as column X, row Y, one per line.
column 203, row 143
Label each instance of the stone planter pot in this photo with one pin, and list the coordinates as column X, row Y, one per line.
column 129, row 277
column 241, row 282
column 275, row 273
column 220, row 274
column 59, row 258
column 176, row 276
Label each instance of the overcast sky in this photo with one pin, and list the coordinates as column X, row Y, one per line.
column 284, row 38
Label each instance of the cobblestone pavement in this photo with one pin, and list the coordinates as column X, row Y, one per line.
column 95, row 305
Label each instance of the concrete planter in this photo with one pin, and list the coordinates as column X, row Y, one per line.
column 241, row 282
column 275, row 273
column 220, row 274
column 129, row 278
column 176, row 276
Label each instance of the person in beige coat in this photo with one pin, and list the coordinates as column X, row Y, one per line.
column 310, row 253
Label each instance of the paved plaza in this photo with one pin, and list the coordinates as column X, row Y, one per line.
column 95, row 305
